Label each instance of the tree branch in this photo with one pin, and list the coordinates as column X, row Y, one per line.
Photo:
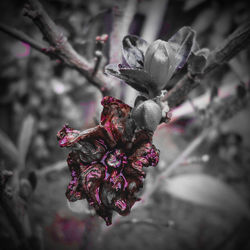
column 219, row 112
column 236, row 42
column 19, row 35
column 63, row 48
column 60, row 48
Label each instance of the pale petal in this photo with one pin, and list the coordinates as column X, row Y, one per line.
column 181, row 43
column 134, row 49
column 157, row 62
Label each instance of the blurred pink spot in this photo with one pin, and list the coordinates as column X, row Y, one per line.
column 88, row 110
column 26, row 52
column 67, row 230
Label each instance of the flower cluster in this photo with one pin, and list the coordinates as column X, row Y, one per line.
column 106, row 162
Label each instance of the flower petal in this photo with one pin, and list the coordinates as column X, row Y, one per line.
column 181, row 43
column 157, row 62
column 134, row 49
column 138, row 79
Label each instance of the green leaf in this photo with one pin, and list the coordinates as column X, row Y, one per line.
column 25, row 138
column 206, row 190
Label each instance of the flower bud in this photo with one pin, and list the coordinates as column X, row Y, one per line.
column 158, row 62
column 147, row 115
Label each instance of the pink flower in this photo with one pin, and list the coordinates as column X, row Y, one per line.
column 106, row 162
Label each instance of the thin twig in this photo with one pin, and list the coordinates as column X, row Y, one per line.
column 191, row 147
column 62, row 47
column 188, row 151
column 19, row 35
column 100, row 40
column 58, row 166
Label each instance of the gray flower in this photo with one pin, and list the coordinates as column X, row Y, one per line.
column 151, row 66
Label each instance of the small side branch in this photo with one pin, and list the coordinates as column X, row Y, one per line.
column 19, row 35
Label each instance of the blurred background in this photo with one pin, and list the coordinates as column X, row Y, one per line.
column 202, row 204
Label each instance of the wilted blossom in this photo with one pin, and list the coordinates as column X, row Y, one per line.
column 106, row 162
column 151, row 66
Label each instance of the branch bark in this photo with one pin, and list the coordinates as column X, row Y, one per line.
column 236, row 42
column 59, row 48
column 59, row 43
column 19, row 35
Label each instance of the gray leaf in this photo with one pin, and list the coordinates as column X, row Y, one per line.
column 206, row 190
column 8, row 147
column 137, row 79
column 24, row 139
column 182, row 43
column 134, row 49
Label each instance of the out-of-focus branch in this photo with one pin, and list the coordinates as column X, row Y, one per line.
column 149, row 32
column 236, row 42
column 153, row 21
column 219, row 112
column 7, row 207
column 122, row 16
column 58, row 42
column 59, row 48
column 19, row 35
column 58, row 166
